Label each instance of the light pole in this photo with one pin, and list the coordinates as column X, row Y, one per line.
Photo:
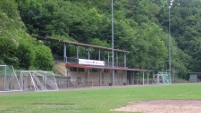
column 170, row 40
column 112, row 42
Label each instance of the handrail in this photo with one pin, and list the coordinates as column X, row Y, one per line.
column 70, row 60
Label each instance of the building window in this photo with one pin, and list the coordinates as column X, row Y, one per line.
column 94, row 70
column 106, row 70
column 199, row 78
column 81, row 69
column 73, row 69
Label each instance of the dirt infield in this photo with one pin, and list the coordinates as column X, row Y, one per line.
column 164, row 106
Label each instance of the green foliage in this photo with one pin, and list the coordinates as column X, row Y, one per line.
column 95, row 52
column 9, row 35
column 185, row 27
column 6, row 45
column 25, row 53
column 44, row 58
column 149, row 49
column 60, row 17
column 140, row 26
column 98, row 42
column 17, row 48
column 7, row 7
column 57, row 48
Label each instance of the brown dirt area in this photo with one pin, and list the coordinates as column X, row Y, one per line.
column 164, row 106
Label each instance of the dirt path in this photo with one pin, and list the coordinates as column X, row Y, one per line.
column 164, row 106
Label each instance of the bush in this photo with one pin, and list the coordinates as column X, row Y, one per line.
column 44, row 58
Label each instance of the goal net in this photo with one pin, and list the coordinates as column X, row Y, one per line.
column 163, row 78
column 37, row 80
column 8, row 79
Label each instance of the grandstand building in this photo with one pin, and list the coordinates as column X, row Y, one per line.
column 97, row 71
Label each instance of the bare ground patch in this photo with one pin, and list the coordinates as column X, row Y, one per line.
column 164, row 106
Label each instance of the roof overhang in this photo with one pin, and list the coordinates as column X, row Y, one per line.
column 78, row 44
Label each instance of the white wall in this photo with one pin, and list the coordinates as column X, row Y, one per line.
column 89, row 77
column 193, row 78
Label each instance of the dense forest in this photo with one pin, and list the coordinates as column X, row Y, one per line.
column 140, row 27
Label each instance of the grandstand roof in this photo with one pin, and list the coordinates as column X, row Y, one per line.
column 78, row 44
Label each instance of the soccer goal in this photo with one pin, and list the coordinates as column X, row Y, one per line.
column 162, row 78
column 8, row 79
column 37, row 80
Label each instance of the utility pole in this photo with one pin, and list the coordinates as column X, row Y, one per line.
column 170, row 40
column 112, row 42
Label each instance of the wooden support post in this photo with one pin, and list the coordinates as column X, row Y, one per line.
column 98, row 54
column 124, row 59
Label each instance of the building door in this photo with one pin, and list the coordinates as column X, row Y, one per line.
column 199, row 78
column 129, row 77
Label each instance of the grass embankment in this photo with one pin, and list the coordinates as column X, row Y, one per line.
column 93, row 101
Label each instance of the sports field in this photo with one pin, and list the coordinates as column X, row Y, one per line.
column 96, row 100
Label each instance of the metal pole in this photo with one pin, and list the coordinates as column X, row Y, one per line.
column 21, row 81
column 170, row 41
column 77, row 52
column 5, row 79
column 65, row 59
column 143, row 78
column 170, row 44
column 112, row 42
column 98, row 54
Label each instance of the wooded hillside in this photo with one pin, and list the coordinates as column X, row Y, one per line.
column 140, row 26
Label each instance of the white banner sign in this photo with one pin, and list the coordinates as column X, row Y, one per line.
column 91, row 62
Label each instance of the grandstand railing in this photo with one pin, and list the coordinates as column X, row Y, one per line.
column 76, row 61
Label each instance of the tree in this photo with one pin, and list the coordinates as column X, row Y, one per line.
column 16, row 46
column 25, row 53
column 44, row 58
column 141, row 27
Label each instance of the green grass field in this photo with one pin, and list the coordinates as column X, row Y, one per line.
column 93, row 100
